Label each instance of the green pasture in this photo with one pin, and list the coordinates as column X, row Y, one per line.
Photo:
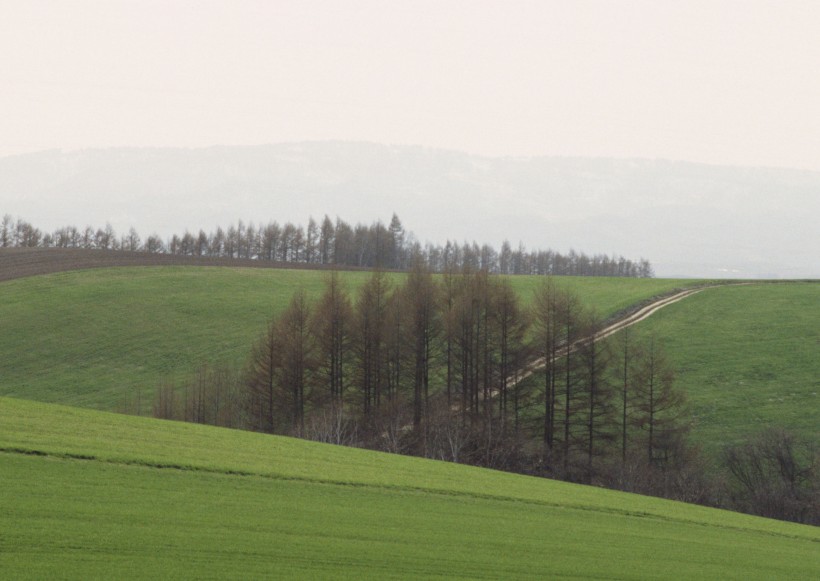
column 106, row 338
column 748, row 357
column 87, row 494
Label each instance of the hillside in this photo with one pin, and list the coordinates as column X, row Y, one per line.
column 687, row 219
column 747, row 356
column 105, row 338
column 90, row 494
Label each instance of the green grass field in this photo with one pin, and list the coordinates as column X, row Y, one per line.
column 105, row 338
column 87, row 494
column 747, row 356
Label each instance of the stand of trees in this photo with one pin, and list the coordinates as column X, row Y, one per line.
column 441, row 368
column 329, row 243
column 455, row 368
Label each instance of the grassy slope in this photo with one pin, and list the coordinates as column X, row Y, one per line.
column 153, row 499
column 747, row 356
column 95, row 338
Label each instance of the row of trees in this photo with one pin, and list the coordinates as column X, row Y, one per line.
column 454, row 368
column 329, row 243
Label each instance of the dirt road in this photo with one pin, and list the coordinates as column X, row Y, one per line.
column 618, row 325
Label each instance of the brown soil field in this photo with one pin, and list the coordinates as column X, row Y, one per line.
column 23, row 262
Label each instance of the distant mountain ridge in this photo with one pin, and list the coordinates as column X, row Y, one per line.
column 688, row 219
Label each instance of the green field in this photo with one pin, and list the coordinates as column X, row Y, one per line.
column 747, row 356
column 87, row 494
column 105, row 338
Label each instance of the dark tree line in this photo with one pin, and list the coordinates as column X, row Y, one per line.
column 439, row 367
column 329, row 242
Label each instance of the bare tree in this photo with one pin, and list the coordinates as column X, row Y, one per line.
column 297, row 356
column 421, row 301
column 598, row 393
column 369, row 348
column 657, row 404
column 332, row 326
column 262, row 380
column 508, row 317
column 775, row 474
column 545, row 315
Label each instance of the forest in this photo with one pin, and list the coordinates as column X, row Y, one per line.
column 329, row 243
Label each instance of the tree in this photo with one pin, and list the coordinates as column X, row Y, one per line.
column 505, row 258
column 296, row 363
column 332, row 327
column 154, row 244
column 7, row 231
column 281, row 369
column 508, row 317
column 286, row 241
column 201, row 246
column 547, row 340
column 369, row 341
column 421, row 303
column 396, row 243
column 326, row 241
column 312, row 242
column 777, row 475
column 658, row 406
column 262, row 380
column 396, row 345
column 270, row 241
column 598, row 393
column 344, row 250
column 131, row 242
column 572, row 326
column 625, row 391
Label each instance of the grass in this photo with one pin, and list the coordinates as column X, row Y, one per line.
column 106, row 338
column 747, row 356
column 86, row 494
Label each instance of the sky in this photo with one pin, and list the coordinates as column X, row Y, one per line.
column 721, row 82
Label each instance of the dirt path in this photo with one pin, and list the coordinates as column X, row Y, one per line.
column 618, row 325
column 645, row 312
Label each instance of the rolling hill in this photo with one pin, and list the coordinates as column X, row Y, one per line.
column 747, row 357
column 106, row 338
column 96, row 338
column 87, row 494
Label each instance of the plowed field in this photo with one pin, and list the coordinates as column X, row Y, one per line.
column 23, row 262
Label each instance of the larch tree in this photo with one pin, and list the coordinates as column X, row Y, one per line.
column 421, row 300
column 262, row 379
column 297, row 356
column 596, row 389
column 572, row 327
column 511, row 324
column 658, row 406
column 547, row 340
column 369, row 342
column 332, row 326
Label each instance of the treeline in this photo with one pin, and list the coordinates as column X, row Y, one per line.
column 440, row 368
column 329, row 243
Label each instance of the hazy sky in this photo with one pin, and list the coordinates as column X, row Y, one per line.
column 713, row 81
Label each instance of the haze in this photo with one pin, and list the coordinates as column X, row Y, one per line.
column 718, row 82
